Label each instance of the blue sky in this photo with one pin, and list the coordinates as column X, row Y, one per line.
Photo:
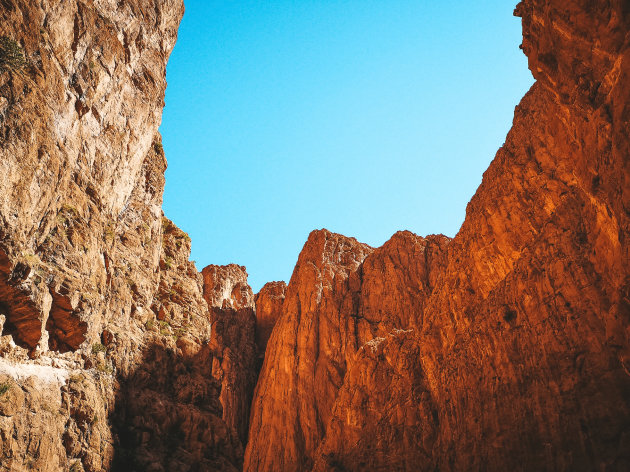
column 361, row 116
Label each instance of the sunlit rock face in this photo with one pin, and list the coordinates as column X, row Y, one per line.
column 82, row 166
column 343, row 299
column 505, row 348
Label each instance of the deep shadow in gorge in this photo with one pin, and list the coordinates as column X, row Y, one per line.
column 167, row 415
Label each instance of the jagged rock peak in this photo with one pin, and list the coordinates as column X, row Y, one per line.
column 226, row 287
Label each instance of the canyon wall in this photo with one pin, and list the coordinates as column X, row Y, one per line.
column 108, row 360
column 506, row 347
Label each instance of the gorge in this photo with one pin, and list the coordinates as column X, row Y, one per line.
column 503, row 348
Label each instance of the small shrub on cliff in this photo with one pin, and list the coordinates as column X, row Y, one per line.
column 76, row 378
column 165, row 328
column 4, row 388
column 11, row 55
column 109, row 234
column 179, row 332
column 105, row 368
column 98, row 347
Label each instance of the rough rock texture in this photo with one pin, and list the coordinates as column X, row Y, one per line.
column 167, row 414
column 506, row 348
column 80, row 216
column 268, row 309
column 515, row 350
column 81, row 161
column 231, row 303
column 106, row 346
column 341, row 296
column 54, row 417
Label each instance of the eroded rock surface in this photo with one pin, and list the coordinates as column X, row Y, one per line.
column 341, row 297
column 506, row 348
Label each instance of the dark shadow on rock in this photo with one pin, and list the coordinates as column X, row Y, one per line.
column 168, row 416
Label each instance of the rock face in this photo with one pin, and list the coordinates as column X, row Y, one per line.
column 106, row 354
column 505, row 348
column 268, row 309
column 231, row 303
column 340, row 299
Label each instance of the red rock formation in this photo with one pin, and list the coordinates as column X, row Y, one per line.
column 341, row 296
column 268, row 309
column 506, row 348
column 519, row 354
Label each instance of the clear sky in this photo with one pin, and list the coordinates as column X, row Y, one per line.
column 360, row 116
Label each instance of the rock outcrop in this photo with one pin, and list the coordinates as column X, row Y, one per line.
column 505, row 348
column 81, row 92
column 233, row 341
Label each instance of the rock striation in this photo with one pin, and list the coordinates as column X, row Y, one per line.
column 343, row 298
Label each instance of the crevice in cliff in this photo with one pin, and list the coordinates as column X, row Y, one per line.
column 65, row 328
column 22, row 319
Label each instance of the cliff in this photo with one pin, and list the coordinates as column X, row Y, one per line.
column 108, row 357
column 504, row 348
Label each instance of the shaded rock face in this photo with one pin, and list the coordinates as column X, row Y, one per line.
column 268, row 309
column 231, row 303
column 505, row 348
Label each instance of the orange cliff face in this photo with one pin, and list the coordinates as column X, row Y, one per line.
column 337, row 302
column 268, row 309
column 506, row 348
